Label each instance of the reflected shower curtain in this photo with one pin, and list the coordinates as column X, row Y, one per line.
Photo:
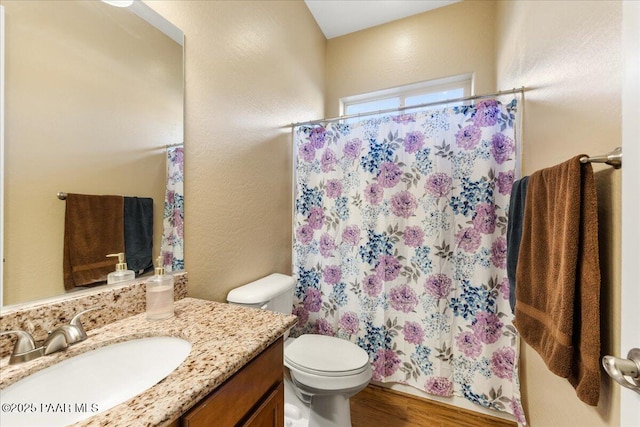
column 399, row 246
column 173, row 235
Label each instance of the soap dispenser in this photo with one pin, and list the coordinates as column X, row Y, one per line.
column 159, row 294
column 121, row 274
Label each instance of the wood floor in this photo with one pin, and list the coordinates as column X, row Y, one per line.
column 380, row 407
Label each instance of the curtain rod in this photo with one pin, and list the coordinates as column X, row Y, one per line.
column 428, row 104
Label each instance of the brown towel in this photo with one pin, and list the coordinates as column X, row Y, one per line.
column 93, row 228
column 558, row 275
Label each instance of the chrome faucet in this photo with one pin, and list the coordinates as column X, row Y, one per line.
column 60, row 338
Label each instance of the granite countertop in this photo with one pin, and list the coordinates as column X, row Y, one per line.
column 224, row 338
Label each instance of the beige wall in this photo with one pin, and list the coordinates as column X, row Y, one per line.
column 569, row 54
column 453, row 40
column 83, row 115
column 252, row 68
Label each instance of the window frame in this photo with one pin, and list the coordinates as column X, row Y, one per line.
column 464, row 81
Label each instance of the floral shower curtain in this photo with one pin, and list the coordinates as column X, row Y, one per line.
column 399, row 246
column 173, row 235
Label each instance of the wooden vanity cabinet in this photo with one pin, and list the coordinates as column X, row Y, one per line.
column 252, row 397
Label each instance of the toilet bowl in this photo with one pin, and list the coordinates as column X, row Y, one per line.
column 324, row 371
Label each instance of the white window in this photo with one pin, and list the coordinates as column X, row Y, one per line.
column 407, row 96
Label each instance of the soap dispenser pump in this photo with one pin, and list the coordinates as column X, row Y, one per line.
column 159, row 294
column 121, row 274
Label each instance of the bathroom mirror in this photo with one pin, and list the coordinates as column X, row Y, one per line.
column 93, row 97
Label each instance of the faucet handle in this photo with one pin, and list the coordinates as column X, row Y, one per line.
column 75, row 321
column 25, row 348
column 25, row 342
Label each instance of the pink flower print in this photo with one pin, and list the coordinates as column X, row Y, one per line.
column 413, row 142
column 351, row 235
column 372, row 285
column 327, row 245
column 317, row 137
column 505, row 182
column 438, row 285
column 468, row 137
column 502, row 362
column 501, row 147
column 304, row 234
column 499, row 252
column 389, row 175
column 487, row 327
column 352, row 148
column 349, row 322
column 373, row 193
column 177, row 158
column 403, row 204
column 171, row 197
column 312, row 300
column 403, row 298
column 388, row 268
column 468, row 239
column 484, row 218
column 167, row 258
column 178, row 222
column 413, row 332
column 504, row 288
column 334, row 188
column 316, row 218
column 324, row 328
column 307, row 152
column 302, row 314
column 438, row 184
column 404, row 118
column 413, row 236
column 331, row 274
column 440, row 386
column 487, row 113
column 385, row 364
column 518, row 412
column 469, row 344
column 328, row 160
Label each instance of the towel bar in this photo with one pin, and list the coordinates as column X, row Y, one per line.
column 62, row 195
column 613, row 158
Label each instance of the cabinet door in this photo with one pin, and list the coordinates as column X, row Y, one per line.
column 271, row 412
column 233, row 401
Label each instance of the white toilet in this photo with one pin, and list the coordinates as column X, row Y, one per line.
column 325, row 371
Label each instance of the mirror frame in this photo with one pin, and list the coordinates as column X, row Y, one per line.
column 2, row 27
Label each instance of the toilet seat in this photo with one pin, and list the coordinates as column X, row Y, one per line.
column 325, row 356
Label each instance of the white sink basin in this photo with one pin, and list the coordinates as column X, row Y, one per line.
column 90, row 383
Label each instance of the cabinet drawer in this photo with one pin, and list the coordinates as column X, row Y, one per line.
column 239, row 395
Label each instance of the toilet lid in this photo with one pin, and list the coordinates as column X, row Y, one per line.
column 324, row 355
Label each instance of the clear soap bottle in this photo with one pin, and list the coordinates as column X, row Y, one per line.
column 121, row 274
column 159, row 294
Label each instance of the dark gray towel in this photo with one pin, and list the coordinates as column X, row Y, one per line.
column 514, row 233
column 138, row 233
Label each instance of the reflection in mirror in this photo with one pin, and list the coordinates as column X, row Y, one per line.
column 93, row 97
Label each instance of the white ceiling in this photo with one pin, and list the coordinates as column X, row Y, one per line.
column 340, row 17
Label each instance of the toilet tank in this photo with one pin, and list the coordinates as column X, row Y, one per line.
column 273, row 292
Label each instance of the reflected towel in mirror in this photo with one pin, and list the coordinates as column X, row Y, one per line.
column 138, row 233
column 93, row 228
